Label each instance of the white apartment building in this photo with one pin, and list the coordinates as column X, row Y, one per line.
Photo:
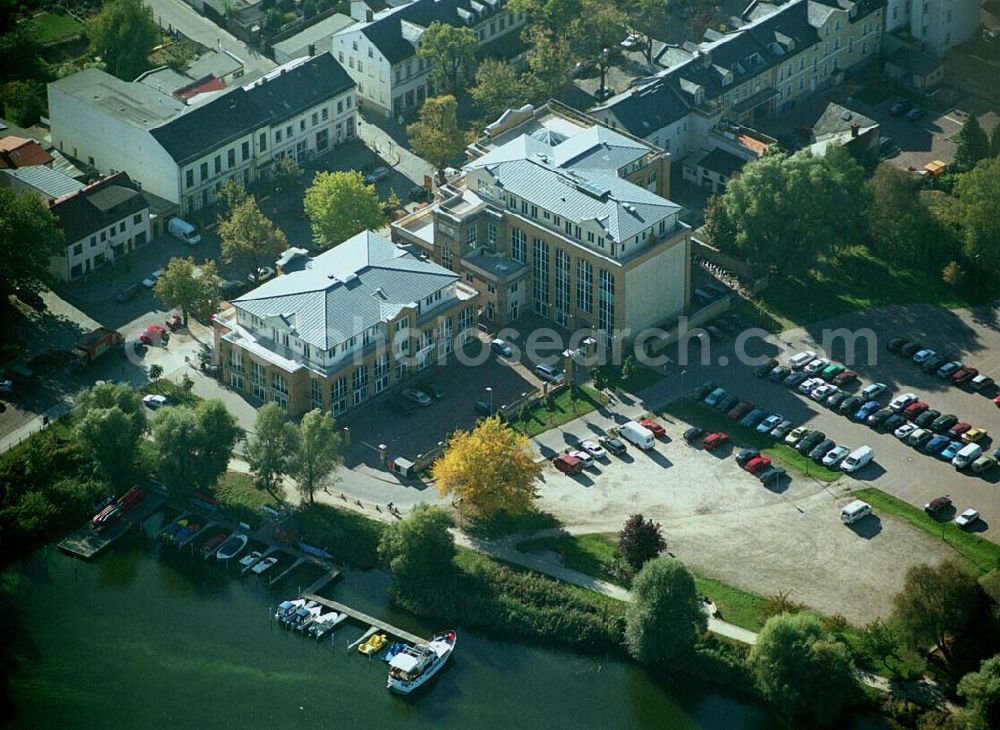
column 101, row 222
column 935, row 25
column 186, row 154
column 380, row 53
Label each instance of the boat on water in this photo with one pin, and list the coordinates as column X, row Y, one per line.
column 187, row 531
column 250, row 559
column 232, row 547
column 373, row 644
column 212, row 544
column 415, row 665
column 323, row 625
column 396, row 647
column 286, row 608
column 302, row 616
column 263, row 565
column 113, row 512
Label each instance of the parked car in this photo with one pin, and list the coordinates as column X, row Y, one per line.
column 781, row 430
column 262, row 274
column 951, row 450
column 693, row 434
column 779, row 373
column 983, row 464
column 769, row 423
column 549, row 373
column 795, row 379
column 501, row 348
column 850, row 406
column 922, row 356
column 915, row 409
column 727, row 404
column 150, row 281
column 958, row 429
column 568, row 464
column 377, row 175
column 822, row 392
column 878, row 418
column 800, row 359
column 715, row 396
column 900, row 108
column 963, row 375
column 745, row 455
column 593, row 448
column 815, row 366
column 831, row 371
column 944, row 422
column 822, row 449
column 835, row 456
column 154, row 401
column 900, row 402
column 981, row 382
column 703, row 390
column 914, row 114
column 874, row 391
column 810, row 385
column 967, row 519
column 586, row 459
column 938, row 506
column 764, row 368
column 417, row 396
column 845, row 378
column 910, row 349
column 741, row 409
column 754, row 417
column 715, row 440
column 653, row 426
column 757, row 464
column 974, row 435
column 936, row 445
column 904, row 431
column 925, row 419
column 772, row 475
column 834, row 401
column 129, row 293
column 918, row 437
column 580, row 68
column 948, row 369
column 810, row 441
column 933, row 364
column 861, row 415
column 895, row 343
column 613, row 444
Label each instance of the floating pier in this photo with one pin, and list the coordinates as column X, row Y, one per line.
column 86, row 542
column 364, row 618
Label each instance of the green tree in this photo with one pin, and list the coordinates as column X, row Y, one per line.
column 20, row 52
column 285, row 175
column 418, row 549
column 230, row 196
column 995, row 142
column 270, row 450
column 308, row 9
column 646, row 17
column 192, row 289
column 935, row 607
column 497, row 89
column 597, row 31
column 123, row 35
column 26, row 218
column 176, row 435
column 801, row 669
column 880, row 642
column 640, row 540
column 23, row 101
column 220, row 432
column 155, row 373
column 981, row 691
column 317, row 457
column 107, row 437
column 973, row 145
column 340, row 205
column 249, row 239
column 550, row 61
column 550, row 15
column 952, row 273
column 665, row 618
column 112, row 395
column 451, row 51
column 436, row 135
column 782, row 213
column 978, row 193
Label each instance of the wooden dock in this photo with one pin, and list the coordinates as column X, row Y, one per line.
column 191, row 538
column 366, row 619
column 86, row 543
column 264, row 556
column 286, row 571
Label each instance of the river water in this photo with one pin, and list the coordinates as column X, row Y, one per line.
column 146, row 636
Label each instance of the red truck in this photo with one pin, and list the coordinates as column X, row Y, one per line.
column 94, row 344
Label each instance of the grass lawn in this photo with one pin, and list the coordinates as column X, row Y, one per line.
column 854, row 279
column 591, row 554
column 344, row 534
column 981, row 554
column 54, row 26
column 506, row 524
column 176, row 395
column 701, row 415
column 639, row 379
column 540, row 417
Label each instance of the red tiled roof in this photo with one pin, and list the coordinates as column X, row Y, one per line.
column 19, row 152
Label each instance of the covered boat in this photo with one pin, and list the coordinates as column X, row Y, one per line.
column 415, row 665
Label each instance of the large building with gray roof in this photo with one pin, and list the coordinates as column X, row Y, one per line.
column 550, row 217
column 184, row 148
column 345, row 327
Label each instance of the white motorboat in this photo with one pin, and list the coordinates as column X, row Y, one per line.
column 323, row 625
column 232, row 547
column 301, row 618
column 263, row 565
column 415, row 665
column 248, row 560
column 286, row 608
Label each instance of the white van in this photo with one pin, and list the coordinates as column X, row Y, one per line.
column 183, row 231
column 801, row 359
column 855, row 511
column 638, row 435
column 968, row 454
column 857, row 459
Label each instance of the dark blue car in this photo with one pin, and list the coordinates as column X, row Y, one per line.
column 936, row 445
column 866, row 410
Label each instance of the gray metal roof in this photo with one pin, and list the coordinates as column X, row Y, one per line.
column 352, row 287
column 53, row 183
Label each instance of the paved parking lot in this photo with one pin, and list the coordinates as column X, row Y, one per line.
column 972, row 337
column 925, row 140
column 723, row 523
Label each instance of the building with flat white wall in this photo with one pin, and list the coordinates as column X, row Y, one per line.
column 934, row 25
column 185, row 154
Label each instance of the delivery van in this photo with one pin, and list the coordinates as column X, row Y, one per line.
column 637, row 434
column 968, row 454
column 183, row 231
column 855, row 511
column 857, row 459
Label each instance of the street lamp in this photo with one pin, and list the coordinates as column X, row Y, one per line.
column 490, row 391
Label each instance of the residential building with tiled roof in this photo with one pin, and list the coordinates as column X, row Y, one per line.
column 548, row 222
column 185, row 153
column 345, row 328
column 380, row 52
column 102, row 221
column 18, row 152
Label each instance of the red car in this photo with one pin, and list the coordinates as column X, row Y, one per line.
column 845, row 378
column 154, row 334
column 958, row 429
column 653, row 426
column 715, row 440
column 741, row 409
column 914, row 409
column 963, row 375
column 567, row 464
column 757, row 464
column 996, row 401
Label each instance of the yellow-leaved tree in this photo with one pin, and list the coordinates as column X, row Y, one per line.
column 489, row 468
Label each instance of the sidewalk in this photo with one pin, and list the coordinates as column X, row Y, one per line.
column 382, row 143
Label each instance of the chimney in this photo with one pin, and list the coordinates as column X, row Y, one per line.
column 854, row 129
column 312, row 50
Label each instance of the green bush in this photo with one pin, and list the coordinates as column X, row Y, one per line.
column 345, row 535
